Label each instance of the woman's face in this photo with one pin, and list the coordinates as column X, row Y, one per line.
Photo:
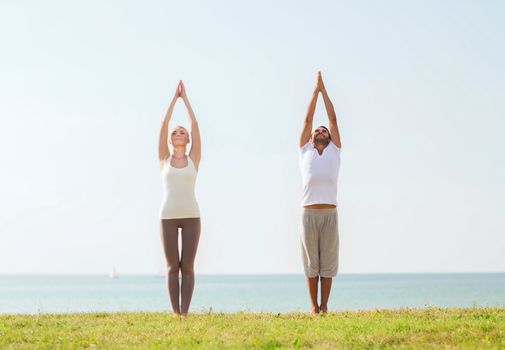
column 179, row 136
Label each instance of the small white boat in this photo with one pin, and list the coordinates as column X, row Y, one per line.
column 113, row 273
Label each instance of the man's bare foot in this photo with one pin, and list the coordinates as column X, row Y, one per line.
column 314, row 311
column 324, row 309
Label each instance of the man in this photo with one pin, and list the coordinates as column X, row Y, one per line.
column 319, row 152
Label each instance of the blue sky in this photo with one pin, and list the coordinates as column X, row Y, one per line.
column 417, row 86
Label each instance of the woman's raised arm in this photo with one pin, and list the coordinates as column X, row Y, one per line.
column 195, row 152
column 163, row 151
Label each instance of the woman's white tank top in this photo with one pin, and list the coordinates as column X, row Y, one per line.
column 179, row 199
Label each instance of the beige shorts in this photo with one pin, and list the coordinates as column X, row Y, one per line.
column 319, row 242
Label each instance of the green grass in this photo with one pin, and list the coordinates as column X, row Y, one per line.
column 429, row 328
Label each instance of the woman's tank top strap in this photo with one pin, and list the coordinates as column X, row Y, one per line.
column 167, row 159
column 192, row 164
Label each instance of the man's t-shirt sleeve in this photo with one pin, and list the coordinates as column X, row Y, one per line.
column 304, row 148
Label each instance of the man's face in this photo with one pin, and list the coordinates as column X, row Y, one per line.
column 320, row 136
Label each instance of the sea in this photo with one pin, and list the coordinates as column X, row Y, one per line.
column 40, row 294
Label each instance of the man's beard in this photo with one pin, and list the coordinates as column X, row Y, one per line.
column 321, row 141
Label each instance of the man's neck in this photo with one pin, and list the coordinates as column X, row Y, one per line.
column 320, row 148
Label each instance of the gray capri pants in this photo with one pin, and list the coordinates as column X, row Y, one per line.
column 319, row 242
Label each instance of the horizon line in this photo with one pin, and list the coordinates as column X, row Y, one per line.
column 247, row 274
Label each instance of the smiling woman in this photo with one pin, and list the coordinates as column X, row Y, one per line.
column 179, row 208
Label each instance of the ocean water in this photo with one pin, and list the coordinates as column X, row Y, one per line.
column 231, row 293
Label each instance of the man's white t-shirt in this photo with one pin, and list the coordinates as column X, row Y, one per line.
column 319, row 174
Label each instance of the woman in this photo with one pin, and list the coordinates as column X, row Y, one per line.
column 179, row 208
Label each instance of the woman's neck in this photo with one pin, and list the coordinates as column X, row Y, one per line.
column 179, row 152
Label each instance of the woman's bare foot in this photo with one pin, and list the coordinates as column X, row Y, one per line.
column 324, row 309
column 314, row 311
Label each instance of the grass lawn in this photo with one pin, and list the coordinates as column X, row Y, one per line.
column 427, row 328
